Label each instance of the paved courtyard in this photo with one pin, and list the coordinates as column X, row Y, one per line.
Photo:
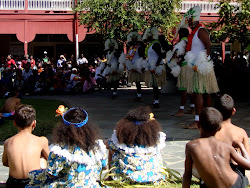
column 105, row 112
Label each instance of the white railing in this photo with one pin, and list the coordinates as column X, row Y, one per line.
column 206, row 7
column 12, row 4
column 60, row 5
column 66, row 5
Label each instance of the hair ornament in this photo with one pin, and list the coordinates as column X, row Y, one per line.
column 154, row 32
column 111, row 43
column 61, row 110
column 84, row 122
column 133, row 35
column 151, row 116
column 138, row 122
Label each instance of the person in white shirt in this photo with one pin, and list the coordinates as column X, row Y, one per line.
column 61, row 61
column 82, row 60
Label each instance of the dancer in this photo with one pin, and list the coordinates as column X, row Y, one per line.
column 135, row 56
column 112, row 69
column 198, row 57
column 179, row 68
column 155, row 75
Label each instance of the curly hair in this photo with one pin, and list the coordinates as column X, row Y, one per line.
column 83, row 137
column 130, row 133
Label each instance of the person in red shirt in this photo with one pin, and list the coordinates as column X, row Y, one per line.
column 32, row 61
column 25, row 61
column 10, row 62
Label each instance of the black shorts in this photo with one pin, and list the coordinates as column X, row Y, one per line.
column 17, row 183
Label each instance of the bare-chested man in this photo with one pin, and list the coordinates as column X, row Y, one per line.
column 22, row 152
column 211, row 156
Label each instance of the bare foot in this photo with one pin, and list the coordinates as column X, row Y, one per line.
column 179, row 113
column 192, row 125
column 190, row 111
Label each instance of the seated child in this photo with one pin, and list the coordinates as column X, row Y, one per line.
column 134, row 148
column 11, row 103
column 76, row 157
column 229, row 133
column 22, row 152
column 211, row 156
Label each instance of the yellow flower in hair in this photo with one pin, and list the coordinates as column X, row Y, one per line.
column 151, row 116
column 61, row 110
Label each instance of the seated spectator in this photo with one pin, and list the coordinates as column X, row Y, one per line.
column 82, row 60
column 61, row 61
column 11, row 103
column 230, row 133
column 32, row 62
column 74, row 77
column 76, row 156
column 22, row 152
column 18, row 83
column 25, row 61
column 10, row 63
column 211, row 157
column 39, row 87
column 59, row 83
column 28, row 79
column 88, row 86
column 134, row 148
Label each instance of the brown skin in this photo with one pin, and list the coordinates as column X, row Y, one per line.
column 201, row 100
column 23, row 151
column 211, row 158
column 230, row 133
column 10, row 104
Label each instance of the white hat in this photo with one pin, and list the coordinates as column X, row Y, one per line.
column 133, row 35
column 193, row 13
column 111, row 43
column 45, row 52
column 151, row 32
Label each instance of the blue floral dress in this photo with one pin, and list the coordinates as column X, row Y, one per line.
column 70, row 167
column 137, row 164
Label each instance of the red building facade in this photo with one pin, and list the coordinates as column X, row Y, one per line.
column 34, row 26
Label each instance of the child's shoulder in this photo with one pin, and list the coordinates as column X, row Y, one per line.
column 40, row 139
column 235, row 129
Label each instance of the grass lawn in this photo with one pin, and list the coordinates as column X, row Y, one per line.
column 45, row 116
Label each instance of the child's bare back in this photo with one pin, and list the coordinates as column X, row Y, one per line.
column 211, row 158
column 10, row 104
column 22, row 153
column 230, row 133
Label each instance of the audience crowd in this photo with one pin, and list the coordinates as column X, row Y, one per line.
column 44, row 76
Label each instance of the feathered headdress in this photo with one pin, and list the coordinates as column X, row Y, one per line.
column 111, row 43
column 133, row 35
column 193, row 13
column 154, row 32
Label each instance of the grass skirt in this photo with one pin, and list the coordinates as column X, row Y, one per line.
column 154, row 80
column 113, row 77
column 205, row 83
column 135, row 76
column 185, row 79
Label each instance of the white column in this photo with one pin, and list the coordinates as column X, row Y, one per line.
column 77, row 47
